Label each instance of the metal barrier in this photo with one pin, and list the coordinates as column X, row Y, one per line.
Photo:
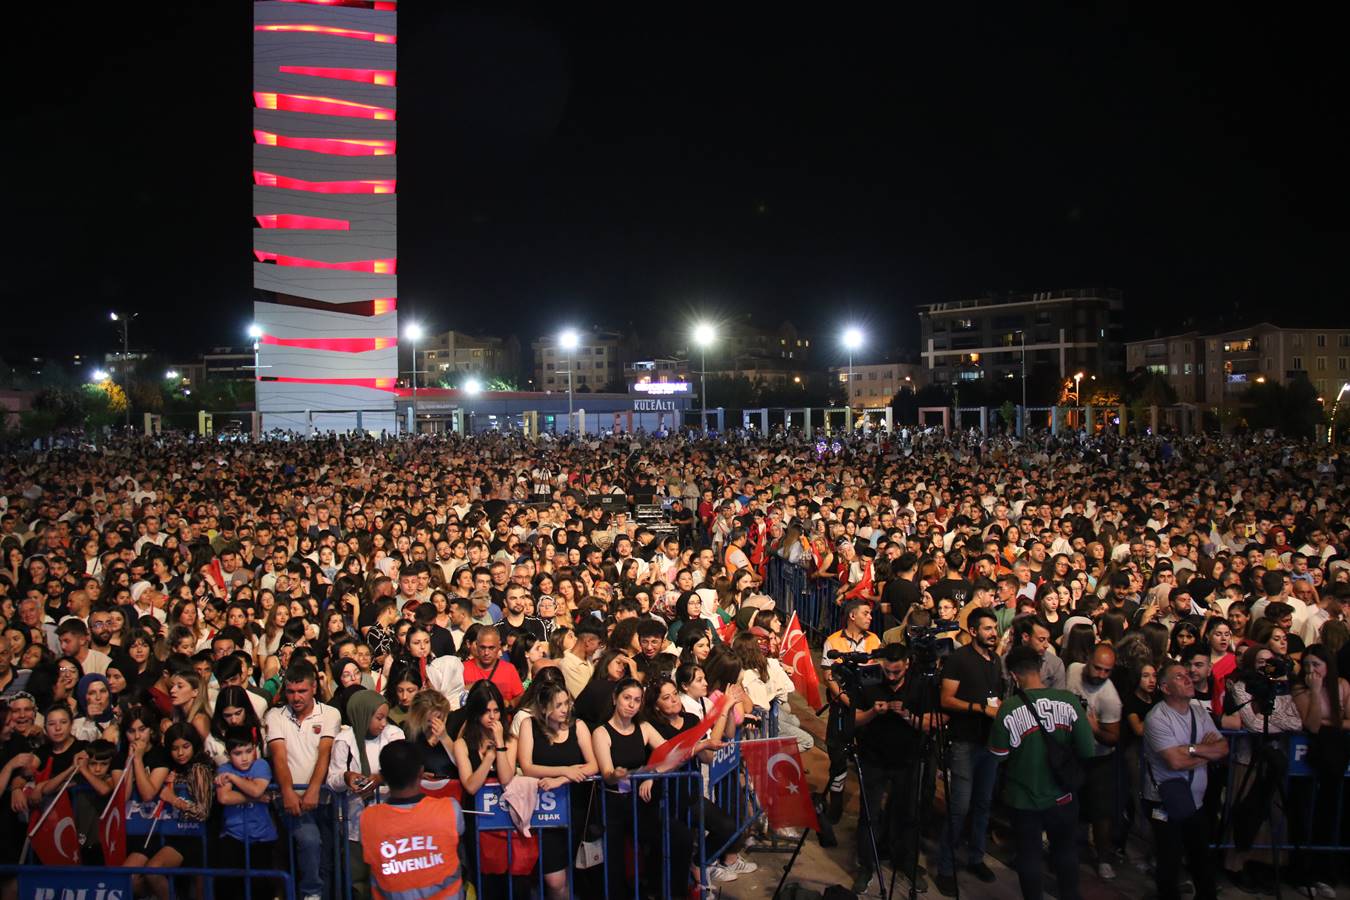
column 812, row 599
column 1301, row 786
column 721, row 783
column 56, row 882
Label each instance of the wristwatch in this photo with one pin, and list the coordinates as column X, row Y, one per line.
column 1190, row 751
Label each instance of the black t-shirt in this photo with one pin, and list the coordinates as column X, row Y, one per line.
column 528, row 625
column 442, row 641
column 888, row 738
column 1130, row 703
column 900, row 594
column 977, row 679
column 667, row 730
column 437, row 761
column 50, row 763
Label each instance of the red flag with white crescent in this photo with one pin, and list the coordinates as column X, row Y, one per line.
column 112, row 825
column 775, row 770
column 56, row 840
column 443, row 787
column 795, row 656
column 726, row 631
column 677, row 751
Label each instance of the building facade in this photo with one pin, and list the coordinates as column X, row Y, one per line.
column 874, row 385
column 326, row 215
column 1067, row 331
column 456, row 353
column 1214, row 369
column 596, row 363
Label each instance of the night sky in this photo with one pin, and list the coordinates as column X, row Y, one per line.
column 561, row 167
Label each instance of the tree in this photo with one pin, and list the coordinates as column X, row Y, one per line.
column 1292, row 410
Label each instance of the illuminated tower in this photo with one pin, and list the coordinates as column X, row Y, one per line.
column 325, row 212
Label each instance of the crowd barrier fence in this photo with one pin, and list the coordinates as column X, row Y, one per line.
column 721, row 783
column 812, row 599
column 1305, row 791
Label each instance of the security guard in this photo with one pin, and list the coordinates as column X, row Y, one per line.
column 411, row 843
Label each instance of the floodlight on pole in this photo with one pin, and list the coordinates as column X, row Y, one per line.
column 853, row 339
column 568, row 339
column 171, row 375
column 413, row 331
column 98, row 376
column 255, row 332
column 472, row 386
column 704, row 334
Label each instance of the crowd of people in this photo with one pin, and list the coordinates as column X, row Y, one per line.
column 248, row 629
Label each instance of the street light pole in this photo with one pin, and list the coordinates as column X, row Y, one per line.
column 414, row 331
column 853, row 338
column 568, row 340
column 1024, row 373
column 703, row 336
column 125, row 321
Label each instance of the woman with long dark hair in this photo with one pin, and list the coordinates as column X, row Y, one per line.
column 190, row 767
column 623, row 744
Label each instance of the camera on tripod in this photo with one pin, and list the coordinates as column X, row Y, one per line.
column 1269, row 680
column 929, row 645
column 852, row 672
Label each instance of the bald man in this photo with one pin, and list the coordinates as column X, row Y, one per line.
column 1091, row 682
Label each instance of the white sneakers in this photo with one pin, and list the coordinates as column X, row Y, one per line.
column 721, row 873
column 1106, row 872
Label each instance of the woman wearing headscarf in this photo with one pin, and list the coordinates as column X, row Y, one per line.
column 354, row 769
column 97, row 718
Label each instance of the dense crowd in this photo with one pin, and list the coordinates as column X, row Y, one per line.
column 245, row 629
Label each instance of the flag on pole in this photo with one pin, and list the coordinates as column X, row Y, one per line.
column 795, row 656
column 112, row 825
column 676, row 751
column 775, row 770
column 55, row 838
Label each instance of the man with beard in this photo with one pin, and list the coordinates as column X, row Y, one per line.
column 1091, row 682
column 972, row 690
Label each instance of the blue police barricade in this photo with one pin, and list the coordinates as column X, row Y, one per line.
column 622, row 801
column 114, row 883
column 490, row 814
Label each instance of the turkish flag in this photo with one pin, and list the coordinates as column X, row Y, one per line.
column 55, row 839
column 726, row 631
column 795, row 656
column 112, row 825
column 677, row 751
column 775, row 770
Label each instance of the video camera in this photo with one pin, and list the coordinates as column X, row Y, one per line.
column 852, row 671
column 927, row 646
column 1268, row 681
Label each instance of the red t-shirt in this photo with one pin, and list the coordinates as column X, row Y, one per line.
column 504, row 676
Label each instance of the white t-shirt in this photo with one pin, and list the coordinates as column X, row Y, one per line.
column 1101, row 700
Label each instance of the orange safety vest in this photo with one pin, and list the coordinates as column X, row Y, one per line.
column 412, row 851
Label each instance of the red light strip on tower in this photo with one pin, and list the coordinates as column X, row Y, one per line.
column 293, row 222
column 384, row 384
column 327, row 106
column 367, row 186
column 363, row 308
column 386, row 77
column 329, row 30
column 374, row 266
column 338, row 345
column 331, row 146
column 353, row 4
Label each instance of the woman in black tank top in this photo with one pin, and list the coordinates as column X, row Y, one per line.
column 557, row 751
column 623, row 744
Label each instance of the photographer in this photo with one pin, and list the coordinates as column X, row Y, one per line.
column 889, row 718
column 972, row 689
column 854, row 637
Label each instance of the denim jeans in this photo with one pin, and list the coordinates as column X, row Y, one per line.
column 974, row 771
column 313, row 867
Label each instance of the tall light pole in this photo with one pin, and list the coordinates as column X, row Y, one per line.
column 412, row 331
column 125, row 321
column 853, row 339
column 1024, row 373
column 568, row 341
column 255, row 332
column 704, row 334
